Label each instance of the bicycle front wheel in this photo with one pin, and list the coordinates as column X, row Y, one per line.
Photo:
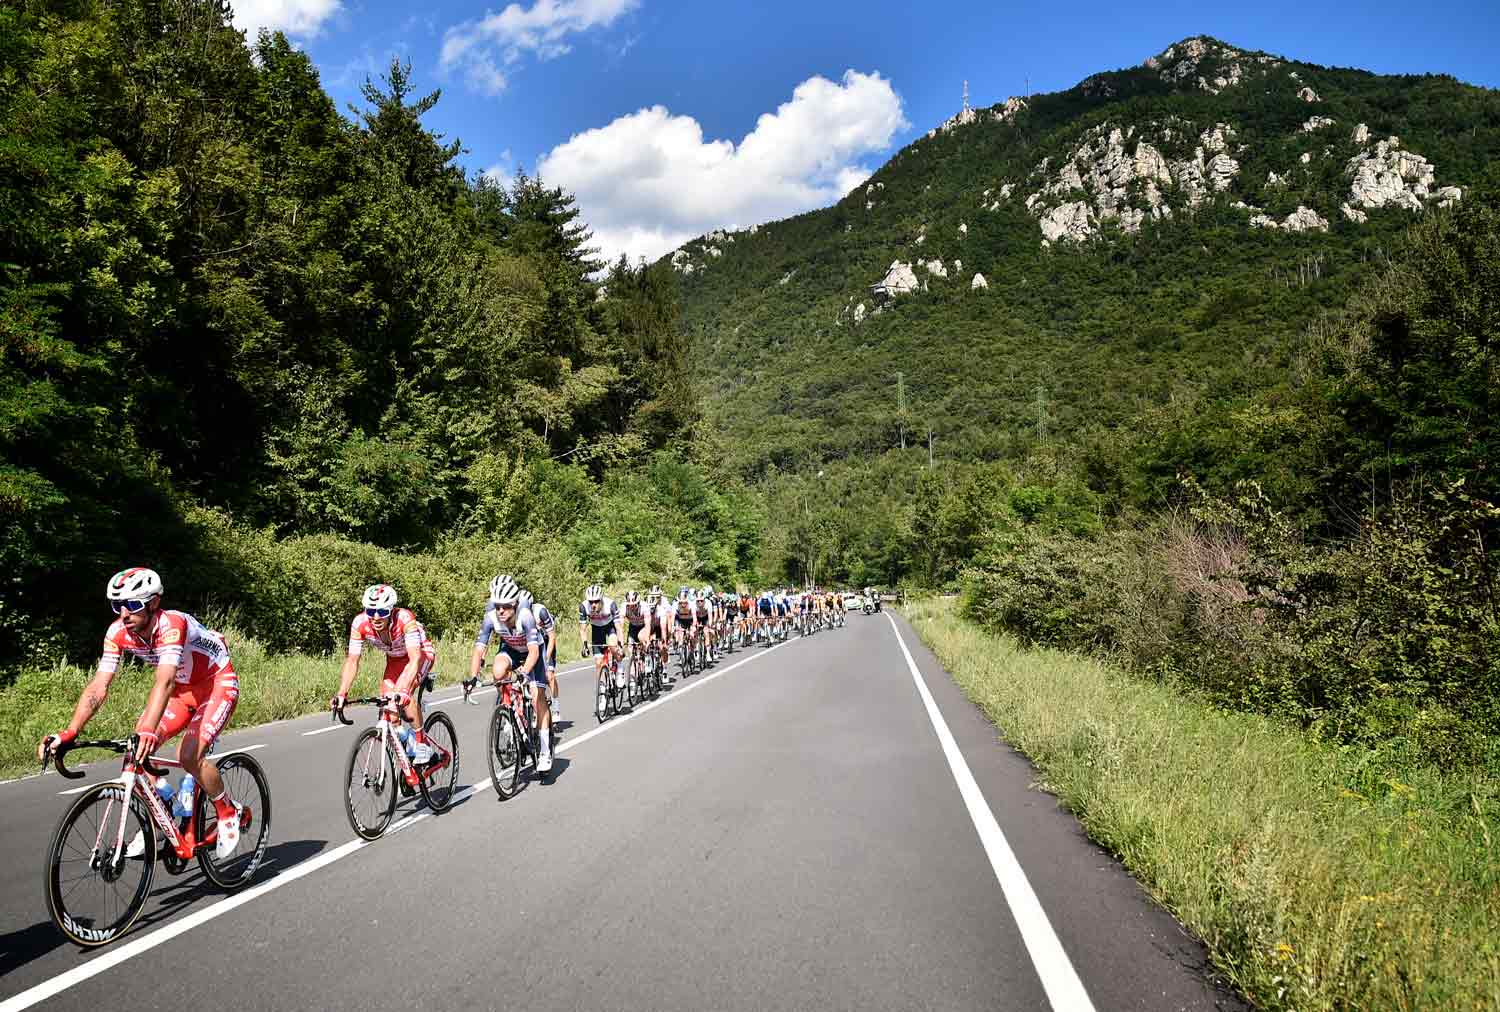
column 370, row 794
column 504, row 752
column 438, row 781
column 95, row 891
column 245, row 783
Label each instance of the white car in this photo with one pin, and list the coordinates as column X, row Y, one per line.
column 853, row 602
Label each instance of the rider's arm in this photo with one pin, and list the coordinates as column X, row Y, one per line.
column 532, row 653
column 413, row 640
column 93, row 697
column 156, row 703
column 347, row 673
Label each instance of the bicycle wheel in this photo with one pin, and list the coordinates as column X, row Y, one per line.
column 370, row 798
column 504, row 752
column 438, row 785
column 245, row 782
column 94, row 891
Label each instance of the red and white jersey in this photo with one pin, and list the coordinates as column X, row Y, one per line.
column 403, row 636
column 175, row 638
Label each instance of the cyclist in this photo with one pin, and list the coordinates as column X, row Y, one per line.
column 547, row 626
column 600, row 629
column 766, row 606
column 745, row 605
column 520, row 651
column 684, row 616
column 661, row 620
column 409, row 655
column 703, row 613
column 637, row 620
column 196, row 689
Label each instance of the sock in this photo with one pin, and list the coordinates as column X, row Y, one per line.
column 223, row 806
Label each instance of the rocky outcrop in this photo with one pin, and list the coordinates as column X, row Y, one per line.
column 1361, row 134
column 1318, row 123
column 1009, row 110
column 978, row 283
column 934, row 267
column 899, row 280
column 1304, row 219
column 1354, row 214
column 1449, row 195
column 1384, row 175
column 1190, row 60
column 859, row 313
column 1067, row 221
column 1308, row 95
column 682, row 261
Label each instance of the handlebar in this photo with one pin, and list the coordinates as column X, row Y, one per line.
column 118, row 746
column 338, row 714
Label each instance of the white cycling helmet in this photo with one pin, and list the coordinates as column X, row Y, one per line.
column 135, row 584
column 683, row 594
column 503, row 590
column 380, row 595
column 594, row 593
column 631, row 597
column 655, row 594
column 524, row 600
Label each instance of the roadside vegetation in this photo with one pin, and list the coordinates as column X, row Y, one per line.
column 1318, row 876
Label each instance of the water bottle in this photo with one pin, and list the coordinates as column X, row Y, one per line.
column 184, row 806
column 403, row 735
column 166, row 792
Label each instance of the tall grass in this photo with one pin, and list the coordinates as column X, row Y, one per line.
column 273, row 686
column 1318, row 877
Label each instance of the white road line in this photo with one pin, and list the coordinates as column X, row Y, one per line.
column 128, row 950
column 247, row 748
column 78, row 790
column 323, row 730
column 1064, row 989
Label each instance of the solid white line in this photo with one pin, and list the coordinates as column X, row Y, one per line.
column 323, row 730
column 1064, row 989
column 77, row 790
column 115, row 956
column 247, row 748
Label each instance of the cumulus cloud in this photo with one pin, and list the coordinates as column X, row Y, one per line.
column 649, row 181
column 294, row 17
column 484, row 47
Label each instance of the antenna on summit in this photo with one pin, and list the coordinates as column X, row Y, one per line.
column 966, row 96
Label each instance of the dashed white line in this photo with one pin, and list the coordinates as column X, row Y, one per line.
column 1060, row 980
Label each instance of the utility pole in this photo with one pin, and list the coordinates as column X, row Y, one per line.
column 929, row 446
column 966, row 95
column 901, row 406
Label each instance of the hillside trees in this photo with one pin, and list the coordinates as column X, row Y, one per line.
column 217, row 292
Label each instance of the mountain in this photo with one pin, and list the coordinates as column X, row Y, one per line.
column 1154, row 238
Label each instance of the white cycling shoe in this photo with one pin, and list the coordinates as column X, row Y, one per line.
column 421, row 752
column 544, row 763
column 137, row 845
column 227, row 835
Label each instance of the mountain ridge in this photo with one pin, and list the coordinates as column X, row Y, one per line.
column 1268, row 169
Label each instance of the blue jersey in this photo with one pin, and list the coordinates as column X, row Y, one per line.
column 521, row 632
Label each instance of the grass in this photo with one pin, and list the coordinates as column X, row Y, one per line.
column 1317, row 878
column 272, row 687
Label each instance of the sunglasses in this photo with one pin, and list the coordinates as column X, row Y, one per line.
column 378, row 612
column 121, row 607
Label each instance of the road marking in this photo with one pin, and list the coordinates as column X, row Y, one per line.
column 247, row 748
column 78, row 790
column 323, row 730
column 128, row 950
column 1064, row 989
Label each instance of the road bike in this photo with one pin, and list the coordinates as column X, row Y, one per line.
column 379, row 767
column 513, row 737
column 95, row 888
column 610, row 690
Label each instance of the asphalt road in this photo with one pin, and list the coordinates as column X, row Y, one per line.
column 826, row 824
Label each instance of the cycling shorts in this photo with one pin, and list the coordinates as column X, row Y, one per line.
column 600, row 635
column 634, row 631
column 203, row 707
column 765, row 608
column 658, row 628
column 395, row 665
column 537, row 675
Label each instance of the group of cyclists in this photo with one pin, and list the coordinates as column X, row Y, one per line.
column 196, row 687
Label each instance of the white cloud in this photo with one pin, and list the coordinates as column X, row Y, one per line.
column 482, row 46
column 294, row 17
column 649, row 181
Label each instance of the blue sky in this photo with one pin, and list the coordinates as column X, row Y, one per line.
column 668, row 119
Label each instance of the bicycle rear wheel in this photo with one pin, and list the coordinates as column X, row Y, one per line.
column 94, row 891
column 504, row 752
column 370, row 794
column 245, row 783
column 437, row 785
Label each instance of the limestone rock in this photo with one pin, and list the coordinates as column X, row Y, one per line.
column 963, row 228
column 1449, row 195
column 1272, row 179
column 899, row 280
column 978, row 283
column 1308, row 95
column 1361, row 134
column 1067, row 221
column 1306, row 157
column 934, row 267
column 859, row 313
column 1304, row 219
column 1008, row 112
column 1385, row 175
column 1317, row 123
column 1354, row 214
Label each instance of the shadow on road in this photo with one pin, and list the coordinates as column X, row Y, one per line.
column 172, row 894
